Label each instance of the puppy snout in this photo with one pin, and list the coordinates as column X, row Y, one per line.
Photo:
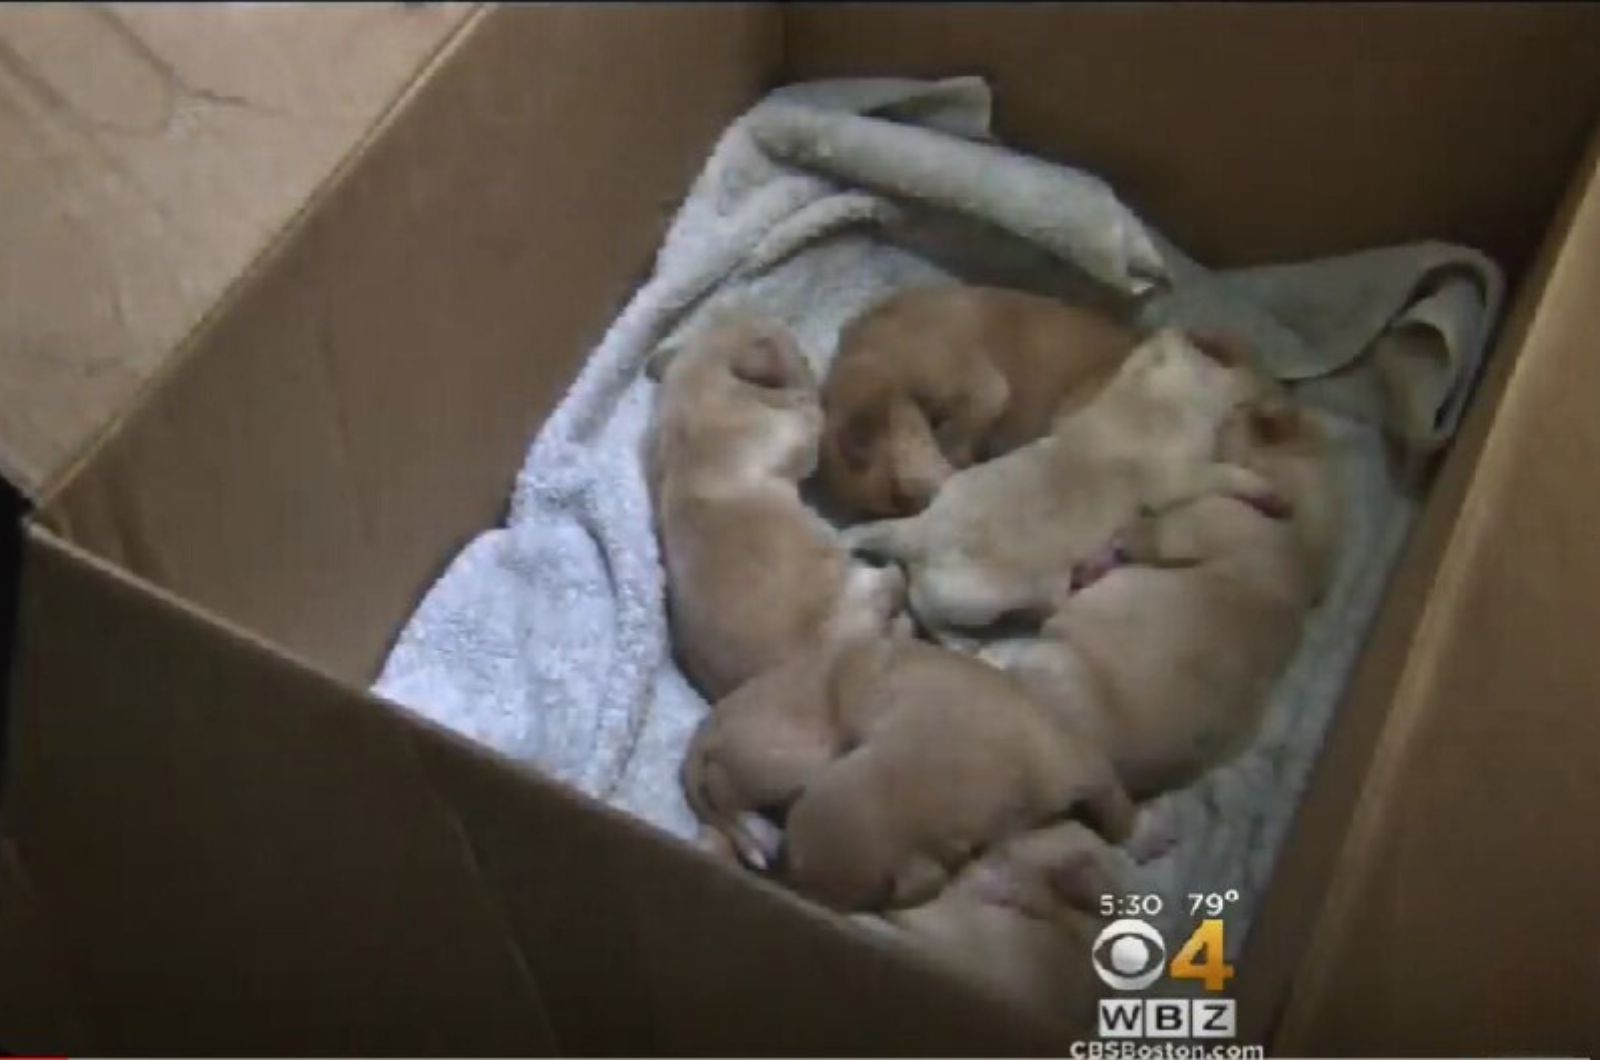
column 913, row 495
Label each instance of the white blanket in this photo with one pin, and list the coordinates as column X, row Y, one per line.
column 546, row 639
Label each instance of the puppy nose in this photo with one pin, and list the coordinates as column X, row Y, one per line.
column 910, row 496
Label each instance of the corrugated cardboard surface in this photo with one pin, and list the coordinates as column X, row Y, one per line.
column 1257, row 132
column 147, row 154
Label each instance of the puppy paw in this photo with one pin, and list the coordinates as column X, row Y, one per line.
column 1155, row 834
column 756, row 840
column 919, row 879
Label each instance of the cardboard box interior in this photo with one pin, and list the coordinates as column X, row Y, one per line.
column 297, row 867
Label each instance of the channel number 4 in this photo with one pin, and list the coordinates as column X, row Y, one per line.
column 1203, row 957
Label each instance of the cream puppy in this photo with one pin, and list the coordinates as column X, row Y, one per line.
column 998, row 536
column 1167, row 659
column 753, row 574
column 896, row 761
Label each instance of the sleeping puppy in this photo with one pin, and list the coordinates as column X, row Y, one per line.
column 999, row 535
column 1021, row 919
column 937, row 378
column 752, row 573
column 897, row 761
column 1168, row 658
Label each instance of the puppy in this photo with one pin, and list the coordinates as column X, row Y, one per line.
column 998, row 535
column 752, row 573
column 1168, row 658
column 1021, row 919
column 897, row 761
column 1289, row 447
column 937, row 378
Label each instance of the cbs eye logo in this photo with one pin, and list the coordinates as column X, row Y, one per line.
column 1129, row 955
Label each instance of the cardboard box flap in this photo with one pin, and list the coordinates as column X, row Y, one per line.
column 1312, row 853
column 1309, row 862
column 191, row 770
column 149, row 153
column 37, row 1013
column 386, row 888
column 1472, row 839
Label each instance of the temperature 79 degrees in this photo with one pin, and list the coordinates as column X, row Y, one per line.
column 1212, row 903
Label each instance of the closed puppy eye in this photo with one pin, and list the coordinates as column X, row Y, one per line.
column 1219, row 348
column 1273, row 426
column 762, row 363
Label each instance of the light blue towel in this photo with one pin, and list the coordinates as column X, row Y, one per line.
column 546, row 639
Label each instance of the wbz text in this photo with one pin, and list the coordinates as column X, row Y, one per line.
column 1133, row 1017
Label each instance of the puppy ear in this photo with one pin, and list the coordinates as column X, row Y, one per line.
column 1227, row 350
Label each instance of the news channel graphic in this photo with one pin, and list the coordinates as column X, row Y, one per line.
column 1165, row 989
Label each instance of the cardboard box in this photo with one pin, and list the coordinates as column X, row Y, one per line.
column 217, row 842
column 150, row 152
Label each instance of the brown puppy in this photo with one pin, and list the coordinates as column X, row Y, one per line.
column 1021, row 919
column 752, row 573
column 898, row 761
column 1168, row 659
column 937, row 378
column 998, row 536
